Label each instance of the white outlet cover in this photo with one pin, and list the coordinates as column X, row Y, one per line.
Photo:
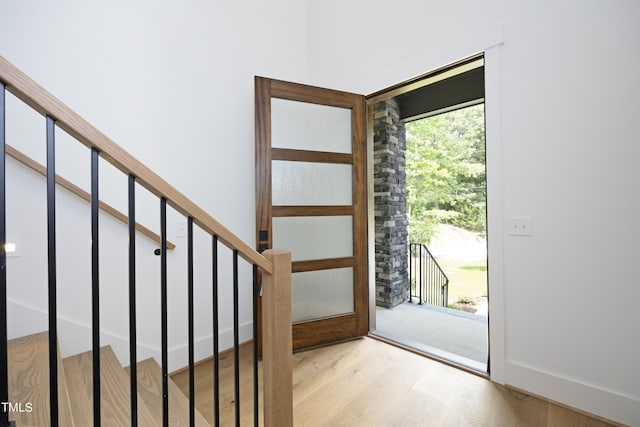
column 181, row 229
column 520, row 226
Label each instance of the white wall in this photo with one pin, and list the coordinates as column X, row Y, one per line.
column 564, row 117
column 172, row 82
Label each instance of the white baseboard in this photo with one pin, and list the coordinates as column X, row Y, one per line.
column 604, row 403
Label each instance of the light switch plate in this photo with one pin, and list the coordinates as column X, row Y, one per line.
column 520, row 226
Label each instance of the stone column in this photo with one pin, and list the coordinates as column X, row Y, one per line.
column 390, row 205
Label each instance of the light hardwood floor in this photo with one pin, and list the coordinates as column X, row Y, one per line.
column 370, row 383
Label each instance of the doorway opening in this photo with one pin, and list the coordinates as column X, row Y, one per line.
column 430, row 215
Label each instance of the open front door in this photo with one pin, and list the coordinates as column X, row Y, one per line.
column 311, row 200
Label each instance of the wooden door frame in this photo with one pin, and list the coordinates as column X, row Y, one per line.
column 340, row 327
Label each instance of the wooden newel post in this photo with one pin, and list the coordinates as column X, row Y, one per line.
column 277, row 348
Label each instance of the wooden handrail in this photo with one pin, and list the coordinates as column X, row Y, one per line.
column 27, row 161
column 38, row 98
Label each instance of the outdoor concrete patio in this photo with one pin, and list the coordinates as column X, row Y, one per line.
column 454, row 335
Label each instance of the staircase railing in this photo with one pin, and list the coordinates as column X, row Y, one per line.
column 27, row 161
column 427, row 281
column 274, row 267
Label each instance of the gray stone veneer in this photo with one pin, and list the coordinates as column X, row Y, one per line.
column 390, row 205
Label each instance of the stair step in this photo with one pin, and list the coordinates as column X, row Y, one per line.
column 114, row 393
column 150, row 389
column 28, row 362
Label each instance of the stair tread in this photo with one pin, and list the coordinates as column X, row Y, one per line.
column 28, row 364
column 115, row 391
column 150, row 389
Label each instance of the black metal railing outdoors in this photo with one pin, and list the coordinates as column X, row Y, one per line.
column 85, row 134
column 428, row 283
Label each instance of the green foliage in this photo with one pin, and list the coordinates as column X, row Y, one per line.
column 445, row 169
column 473, row 267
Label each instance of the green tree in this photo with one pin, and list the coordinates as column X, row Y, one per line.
column 445, row 166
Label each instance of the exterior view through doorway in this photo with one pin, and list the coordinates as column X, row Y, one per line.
column 427, row 150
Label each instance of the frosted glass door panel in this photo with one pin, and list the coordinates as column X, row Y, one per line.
column 320, row 294
column 309, row 184
column 314, row 237
column 303, row 126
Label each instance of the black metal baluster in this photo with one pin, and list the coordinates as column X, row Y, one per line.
column 438, row 284
column 437, row 289
column 431, row 276
column 410, row 271
column 421, row 275
column 429, row 297
column 192, row 393
column 414, row 268
column 4, row 369
column 216, row 349
column 427, row 275
column 415, row 273
column 163, row 308
column 431, row 279
column 425, row 283
column 444, row 290
column 95, row 286
column 52, row 279
column 133, row 357
column 256, row 294
column 236, row 338
column 446, row 294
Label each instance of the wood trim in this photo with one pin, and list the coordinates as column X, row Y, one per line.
column 310, row 156
column 283, row 211
column 371, row 225
column 263, row 157
column 360, row 219
column 34, row 95
column 311, row 94
column 325, row 331
column 262, row 88
column 27, row 161
column 322, row 264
